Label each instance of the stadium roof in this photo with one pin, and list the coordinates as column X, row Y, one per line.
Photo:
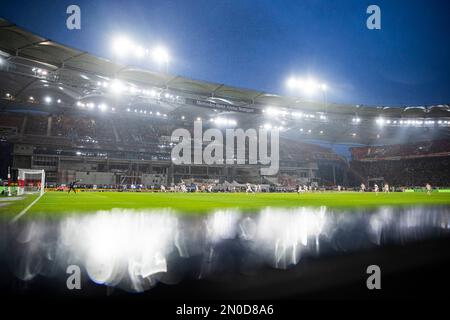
column 35, row 67
column 77, row 68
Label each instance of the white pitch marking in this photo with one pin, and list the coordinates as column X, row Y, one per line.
column 26, row 209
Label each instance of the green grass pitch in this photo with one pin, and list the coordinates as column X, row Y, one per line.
column 60, row 203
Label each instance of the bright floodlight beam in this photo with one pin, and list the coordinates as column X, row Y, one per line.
column 161, row 56
column 308, row 86
column 121, row 45
column 139, row 52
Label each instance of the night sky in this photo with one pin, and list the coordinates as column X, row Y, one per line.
column 259, row 44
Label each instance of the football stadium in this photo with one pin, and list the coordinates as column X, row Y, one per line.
column 159, row 186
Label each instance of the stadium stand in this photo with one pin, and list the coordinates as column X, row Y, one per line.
column 407, row 165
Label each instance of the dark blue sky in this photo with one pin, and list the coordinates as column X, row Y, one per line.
column 259, row 44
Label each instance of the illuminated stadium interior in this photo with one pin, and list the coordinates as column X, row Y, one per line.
column 68, row 104
column 71, row 120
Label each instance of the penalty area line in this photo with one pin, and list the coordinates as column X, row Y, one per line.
column 21, row 213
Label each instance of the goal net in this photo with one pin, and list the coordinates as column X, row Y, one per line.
column 30, row 181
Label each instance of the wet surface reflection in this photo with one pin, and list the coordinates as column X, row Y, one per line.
column 135, row 250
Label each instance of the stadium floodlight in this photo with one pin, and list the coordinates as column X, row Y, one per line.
column 139, row 51
column 224, row 121
column 58, row 101
column 380, row 121
column 183, row 117
column 47, row 99
column 121, row 45
column 1, row 60
column 31, row 98
column 161, row 55
column 8, row 95
column 275, row 112
column 103, row 107
column 117, row 86
column 292, row 83
column 308, row 86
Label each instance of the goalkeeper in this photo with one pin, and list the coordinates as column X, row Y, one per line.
column 72, row 186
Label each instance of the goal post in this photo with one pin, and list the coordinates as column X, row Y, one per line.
column 30, row 181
